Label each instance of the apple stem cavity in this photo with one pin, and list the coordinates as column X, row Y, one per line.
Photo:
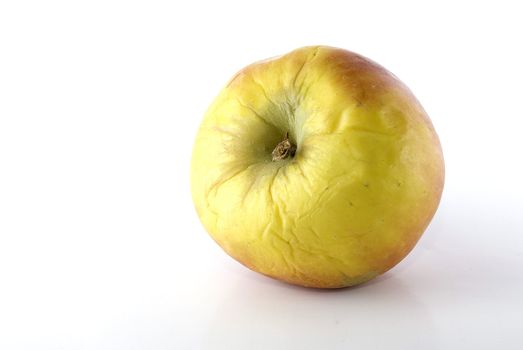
column 284, row 149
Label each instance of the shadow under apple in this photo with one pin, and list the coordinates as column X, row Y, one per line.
column 257, row 312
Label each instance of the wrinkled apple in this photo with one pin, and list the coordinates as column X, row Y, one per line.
column 319, row 168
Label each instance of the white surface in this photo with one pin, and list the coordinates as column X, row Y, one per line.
column 100, row 247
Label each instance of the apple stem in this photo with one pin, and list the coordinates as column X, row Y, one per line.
column 284, row 149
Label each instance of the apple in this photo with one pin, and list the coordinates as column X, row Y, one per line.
column 318, row 168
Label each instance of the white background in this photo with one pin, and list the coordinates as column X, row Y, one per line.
column 100, row 247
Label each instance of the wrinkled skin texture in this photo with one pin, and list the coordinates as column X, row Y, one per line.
column 363, row 185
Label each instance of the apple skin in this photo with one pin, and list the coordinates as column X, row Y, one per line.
column 360, row 190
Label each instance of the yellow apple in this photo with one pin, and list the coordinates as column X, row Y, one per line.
column 319, row 168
